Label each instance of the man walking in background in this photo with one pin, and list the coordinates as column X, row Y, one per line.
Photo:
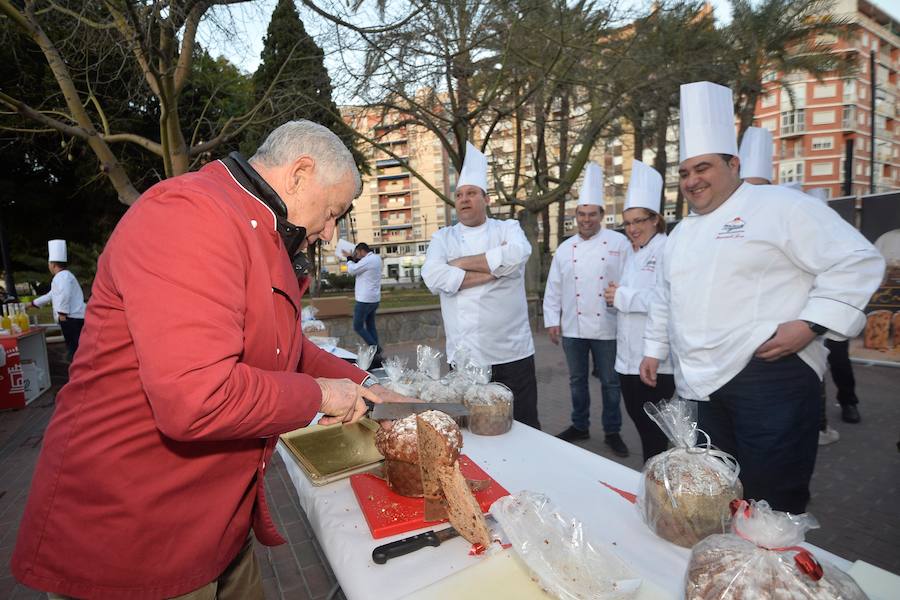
column 365, row 266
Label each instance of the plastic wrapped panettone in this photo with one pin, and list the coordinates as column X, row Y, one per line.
column 685, row 492
column 490, row 408
column 761, row 558
column 400, row 380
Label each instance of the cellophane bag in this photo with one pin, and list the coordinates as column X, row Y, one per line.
column 428, row 362
column 364, row 356
column 554, row 548
column 308, row 321
column 685, row 492
column 762, row 558
column 399, row 378
column 490, row 408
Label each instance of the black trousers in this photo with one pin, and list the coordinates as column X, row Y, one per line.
column 519, row 377
column 842, row 370
column 71, row 330
column 767, row 417
column 636, row 393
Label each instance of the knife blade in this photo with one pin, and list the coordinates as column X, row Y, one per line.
column 390, row 411
column 384, row 553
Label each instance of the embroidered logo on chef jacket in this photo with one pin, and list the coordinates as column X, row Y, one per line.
column 650, row 265
column 733, row 229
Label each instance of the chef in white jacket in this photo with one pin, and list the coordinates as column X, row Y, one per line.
column 575, row 310
column 630, row 296
column 477, row 267
column 65, row 295
column 751, row 280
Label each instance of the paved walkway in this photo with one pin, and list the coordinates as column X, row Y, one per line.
column 855, row 488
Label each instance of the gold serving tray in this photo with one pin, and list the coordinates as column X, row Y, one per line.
column 333, row 452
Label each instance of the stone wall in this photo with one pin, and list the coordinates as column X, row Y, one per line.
column 397, row 325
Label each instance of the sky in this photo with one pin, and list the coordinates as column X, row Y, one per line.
column 249, row 22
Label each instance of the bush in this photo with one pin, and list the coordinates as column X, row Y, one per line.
column 340, row 281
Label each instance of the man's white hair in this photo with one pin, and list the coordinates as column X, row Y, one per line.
column 298, row 138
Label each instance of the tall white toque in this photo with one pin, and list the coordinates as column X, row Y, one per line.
column 756, row 153
column 591, row 192
column 56, row 251
column 645, row 187
column 707, row 120
column 474, row 169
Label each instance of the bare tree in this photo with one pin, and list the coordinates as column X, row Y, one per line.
column 152, row 39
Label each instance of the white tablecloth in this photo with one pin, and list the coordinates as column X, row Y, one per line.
column 522, row 459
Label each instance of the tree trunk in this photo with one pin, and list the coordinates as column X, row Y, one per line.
column 563, row 164
column 661, row 159
column 638, row 136
column 545, row 225
column 533, row 274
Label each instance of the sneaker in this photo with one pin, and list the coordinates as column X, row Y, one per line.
column 614, row 441
column 573, row 433
column 850, row 414
column 828, row 436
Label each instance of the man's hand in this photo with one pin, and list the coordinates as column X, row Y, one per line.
column 649, row 365
column 553, row 332
column 343, row 401
column 610, row 294
column 789, row 338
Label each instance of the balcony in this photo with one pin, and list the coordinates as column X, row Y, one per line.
column 793, row 129
column 395, row 225
column 395, row 203
column 387, row 162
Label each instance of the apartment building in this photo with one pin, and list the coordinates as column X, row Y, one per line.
column 824, row 130
column 396, row 213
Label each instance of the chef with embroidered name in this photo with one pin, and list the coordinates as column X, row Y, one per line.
column 752, row 279
column 576, row 311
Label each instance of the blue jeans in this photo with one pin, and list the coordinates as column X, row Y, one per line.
column 604, row 352
column 767, row 417
column 364, row 321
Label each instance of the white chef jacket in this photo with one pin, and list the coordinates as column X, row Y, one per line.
column 367, row 271
column 766, row 256
column 489, row 320
column 66, row 295
column 632, row 299
column 579, row 274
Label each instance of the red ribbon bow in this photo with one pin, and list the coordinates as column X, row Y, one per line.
column 806, row 562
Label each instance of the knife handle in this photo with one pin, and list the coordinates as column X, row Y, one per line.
column 382, row 554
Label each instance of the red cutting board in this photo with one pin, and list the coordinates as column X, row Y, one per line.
column 389, row 513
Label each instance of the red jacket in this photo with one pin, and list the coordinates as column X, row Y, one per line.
column 190, row 365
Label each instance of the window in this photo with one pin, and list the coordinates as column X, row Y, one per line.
column 768, row 76
column 770, row 124
column 849, row 117
column 849, row 90
column 423, row 247
column 767, row 101
column 824, row 90
column 821, row 117
column 798, row 91
column 819, row 169
column 823, row 143
column 793, row 122
column 792, row 171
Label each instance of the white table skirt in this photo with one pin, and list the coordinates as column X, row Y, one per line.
column 523, row 459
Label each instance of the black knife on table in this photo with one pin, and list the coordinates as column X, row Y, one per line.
column 382, row 554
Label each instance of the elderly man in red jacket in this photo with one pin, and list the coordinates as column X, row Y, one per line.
column 191, row 363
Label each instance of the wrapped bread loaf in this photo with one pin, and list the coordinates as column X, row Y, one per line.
column 685, row 492
column 761, row 558
column 490, row 408
column 399, row 446
column 877, row 332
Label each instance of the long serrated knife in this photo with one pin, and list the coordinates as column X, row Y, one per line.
column 433, row 538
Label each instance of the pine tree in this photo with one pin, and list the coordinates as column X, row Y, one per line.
column 302, row 88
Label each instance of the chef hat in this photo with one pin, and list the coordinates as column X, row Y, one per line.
column 819, row 193
column 474, row 170
column 756, row 153
column 645, row 187
column 707, row 120
column 592, row 188
column 56, row 251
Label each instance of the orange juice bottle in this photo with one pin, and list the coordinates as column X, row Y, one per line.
column 5, row 322
column 23, row 318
